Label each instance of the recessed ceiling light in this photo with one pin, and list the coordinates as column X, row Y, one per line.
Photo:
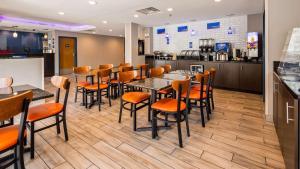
column 218, row 0
column 170, row 9
column 110, row 30
column 92, row 2
column 94, row 32
column 136, row 15
column 121, row 35
column 105, row 22
column 61, row 13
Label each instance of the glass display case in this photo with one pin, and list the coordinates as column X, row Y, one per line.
column 289, row 67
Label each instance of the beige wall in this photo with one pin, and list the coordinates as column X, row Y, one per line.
column 93, row 50
column 281, row 17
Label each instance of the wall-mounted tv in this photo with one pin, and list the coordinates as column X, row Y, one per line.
column 182, row 28
column 161, row 31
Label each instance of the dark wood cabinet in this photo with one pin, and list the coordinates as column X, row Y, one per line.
column 285, row 115
column 49, row 64
column 251, row 77
column 230, row 75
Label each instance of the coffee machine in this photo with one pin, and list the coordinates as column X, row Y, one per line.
column 206, row 47
column 223, row 51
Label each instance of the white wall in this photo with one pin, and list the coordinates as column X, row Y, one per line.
column 180, row 40
column 281, row 17
column 24, row 71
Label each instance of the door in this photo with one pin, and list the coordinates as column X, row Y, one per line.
column 67, row 55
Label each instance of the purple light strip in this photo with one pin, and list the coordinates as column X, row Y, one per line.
column 52, row 25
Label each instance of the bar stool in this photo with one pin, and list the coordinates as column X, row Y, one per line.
column 133, row 98
column 80, row 85
column 173, row 106
column 201, row 95
column 100, row 86
column 48, row 110
column 12, row 137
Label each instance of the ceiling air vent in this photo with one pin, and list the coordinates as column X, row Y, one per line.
column 149, row 11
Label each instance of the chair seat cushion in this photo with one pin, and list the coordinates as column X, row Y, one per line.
column 9, row 136
column 165, row 91
column 194, row 95
column 139, row 78
column 168, row 105
column 83, row 84
column 44, row 111
column 198, row 87
column 95, row 86
column 135, row 97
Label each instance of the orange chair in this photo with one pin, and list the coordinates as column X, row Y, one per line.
column 80, row 85
column 57, row 110
column 100, row 86
column 143, row 68
column 106, row 66
column 176, row 107
column 12, row 137
column 167, row 68
column 157, row 72
column 133, row 98
column 212, row 72
column 124, row 64
column 201, row 95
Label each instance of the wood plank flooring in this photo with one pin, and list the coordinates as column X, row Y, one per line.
column 237, row 136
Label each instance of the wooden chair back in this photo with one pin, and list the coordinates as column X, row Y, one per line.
column 128, row 76
column 124, row 64
column 167, row 68
column 14, row 105
column 61, row 82
column 213, row 73
column 81, row 69
column 185, row 85
column 106, row 66
column 104, row 74
column 6, row 82
column 204, row 77
column 143, row 66
column 125, row 68
column 156, row 72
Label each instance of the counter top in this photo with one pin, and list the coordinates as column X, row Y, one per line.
column 22, row 56
column 199, row 61
column 292, row 86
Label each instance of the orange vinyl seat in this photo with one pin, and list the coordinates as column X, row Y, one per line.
column 9, row 136
column 83, row 84
column 165, row 91
column 43, row 111
column 168, row 105
column 95, row 86
column 114, row 81
column 194, row 95
column 139, row 78
column 135, row 97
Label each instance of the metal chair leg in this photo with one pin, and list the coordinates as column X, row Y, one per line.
column 57, row 124
column 121, row 109
column 32, row 140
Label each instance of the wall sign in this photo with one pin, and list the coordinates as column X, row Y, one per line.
column 190, row 45
column 213, row 25
column 161, row 31
column 182, row 28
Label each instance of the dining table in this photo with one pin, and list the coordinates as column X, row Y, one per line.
column 38, row 94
